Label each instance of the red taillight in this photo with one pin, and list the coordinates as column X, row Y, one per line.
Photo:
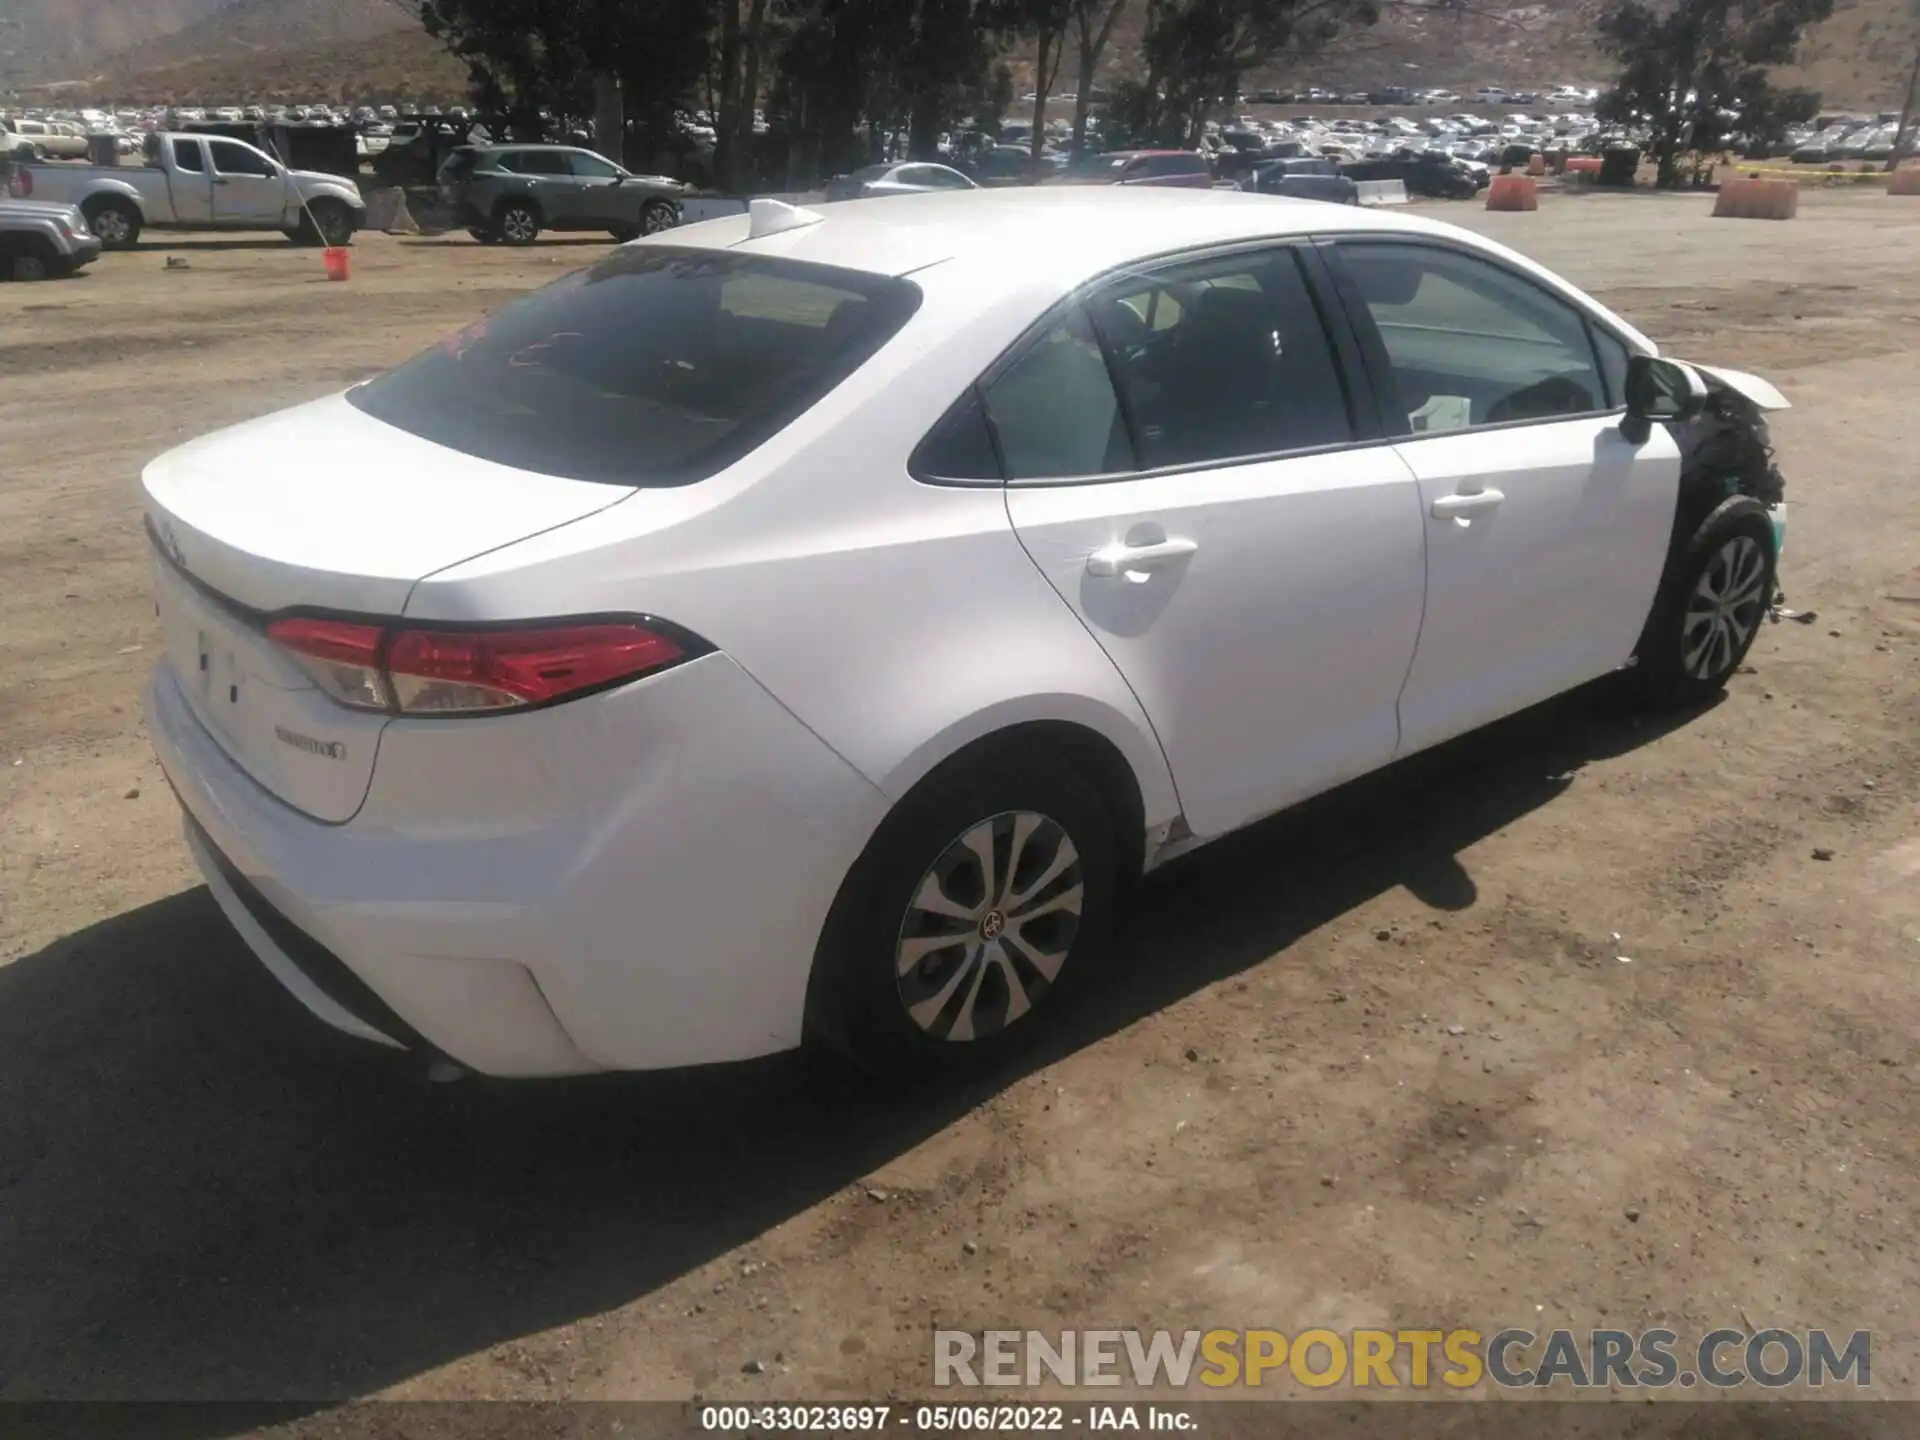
column 342, row 657
column 452, row 672
column 21, row 186
column 443, row 670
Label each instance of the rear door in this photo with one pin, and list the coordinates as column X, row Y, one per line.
column 189, row 181
column 1546, row 531
column 544, row 177
column 248, row 188
column 1189, row 468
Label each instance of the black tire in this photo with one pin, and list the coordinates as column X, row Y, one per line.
column 30, row 259
column 117, row 222
column 860, row 1006
column 518, row 223
column 484, row 236
column 658, row 215
column 624, row 233
column 1673, row 669
column 327, row 222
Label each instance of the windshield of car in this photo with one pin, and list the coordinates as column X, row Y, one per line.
column 656, row 367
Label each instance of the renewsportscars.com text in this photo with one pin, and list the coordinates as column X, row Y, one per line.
column 1457, row 1359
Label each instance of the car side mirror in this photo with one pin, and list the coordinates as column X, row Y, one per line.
column 1659, row 389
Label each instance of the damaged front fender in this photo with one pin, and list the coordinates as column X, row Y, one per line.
column 1762, row 394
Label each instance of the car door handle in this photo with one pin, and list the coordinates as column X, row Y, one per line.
column 1119, row 558
column 1466, row 504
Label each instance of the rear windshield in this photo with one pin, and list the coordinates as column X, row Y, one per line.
column 459, row 165
column 656, row 367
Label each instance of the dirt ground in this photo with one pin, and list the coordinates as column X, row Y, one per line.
column 1563, row 1025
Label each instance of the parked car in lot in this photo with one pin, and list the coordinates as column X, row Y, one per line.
column 911, row 178
column 1182, row 169
column 1426, row 175
column 511, row 193
column 42, row 241
column 43, row 139
column 1303, row 179
column 199, row 182
column 620, row 700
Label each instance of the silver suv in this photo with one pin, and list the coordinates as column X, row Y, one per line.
column 512, row 192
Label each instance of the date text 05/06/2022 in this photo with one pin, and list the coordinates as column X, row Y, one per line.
column 943, row 1419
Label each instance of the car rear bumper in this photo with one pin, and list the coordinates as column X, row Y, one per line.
column 638, row 886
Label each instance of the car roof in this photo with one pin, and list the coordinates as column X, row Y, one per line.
column 1071, row 233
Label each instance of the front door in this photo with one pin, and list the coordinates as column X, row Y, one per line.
column 602, row 199
column 1182, row 467
column 1546, row 531
column 248, row 188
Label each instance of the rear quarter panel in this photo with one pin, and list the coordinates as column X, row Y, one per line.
column 898, row 621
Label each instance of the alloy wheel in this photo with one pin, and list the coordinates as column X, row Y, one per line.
column 989, row 927
column 110, row 224
column 1725, row 608
column 519, row 226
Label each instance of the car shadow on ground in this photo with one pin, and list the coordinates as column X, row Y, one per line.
column 206, row 1195
column 177, row 244
column 464, row 241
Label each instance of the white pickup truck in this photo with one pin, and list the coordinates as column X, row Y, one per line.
column 199, row 182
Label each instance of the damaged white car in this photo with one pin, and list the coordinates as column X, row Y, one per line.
column 801, row 626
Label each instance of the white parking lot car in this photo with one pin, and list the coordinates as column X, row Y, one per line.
column 801, row 625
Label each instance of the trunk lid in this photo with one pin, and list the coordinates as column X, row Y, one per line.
column 317, row 508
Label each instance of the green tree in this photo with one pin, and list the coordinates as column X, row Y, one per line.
column 1199, row 51
column 1695, row 71
column 564, row 57
column 1903, row 136
column 1093, row 22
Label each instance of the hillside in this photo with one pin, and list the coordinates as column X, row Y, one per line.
column 207, row 50
column 43, row 40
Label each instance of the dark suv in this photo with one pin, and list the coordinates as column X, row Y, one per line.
column 512, row 192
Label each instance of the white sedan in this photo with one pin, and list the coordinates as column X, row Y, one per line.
column 801, row 626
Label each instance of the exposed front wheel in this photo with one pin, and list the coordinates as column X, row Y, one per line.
column 116, row 222
column 1712, row 603
column 518, row 224
column 977, row 908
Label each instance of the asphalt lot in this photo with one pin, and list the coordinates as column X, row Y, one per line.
column 1377, row 1062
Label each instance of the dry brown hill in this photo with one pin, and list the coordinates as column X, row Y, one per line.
column 204, row 50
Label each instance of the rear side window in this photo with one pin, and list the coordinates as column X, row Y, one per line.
column 1055, row 411
column 186, row 156
column 534, row 162
column 1224, row 359
column 656, row 367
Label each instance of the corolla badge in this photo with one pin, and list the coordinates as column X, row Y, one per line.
column 326, row 749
